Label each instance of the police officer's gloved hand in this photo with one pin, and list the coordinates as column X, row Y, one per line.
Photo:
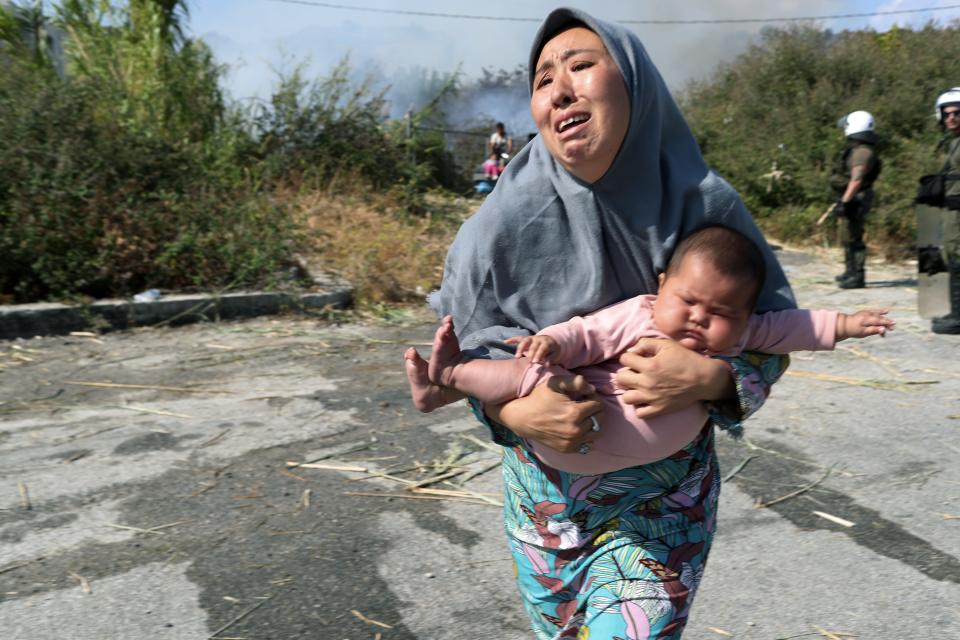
column 846, row 209
column 840, row 209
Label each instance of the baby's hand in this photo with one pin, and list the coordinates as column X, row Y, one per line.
column 540, row 349
column 870, row 322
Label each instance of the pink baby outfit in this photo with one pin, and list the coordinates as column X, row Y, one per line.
column 591, row 344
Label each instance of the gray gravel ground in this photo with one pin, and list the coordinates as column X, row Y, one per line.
column 144, row 512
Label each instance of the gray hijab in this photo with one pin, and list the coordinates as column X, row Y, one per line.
column 546, row 246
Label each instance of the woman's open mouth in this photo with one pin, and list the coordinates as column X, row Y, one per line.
column 572, row 122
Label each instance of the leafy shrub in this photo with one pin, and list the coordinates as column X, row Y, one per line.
column 96, row 210
column 317, row 130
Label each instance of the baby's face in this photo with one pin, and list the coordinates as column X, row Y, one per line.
column 701, row 308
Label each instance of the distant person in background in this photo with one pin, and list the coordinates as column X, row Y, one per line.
column 501, row 144
column 491, row 166
column 852, row 181
column 948, row 115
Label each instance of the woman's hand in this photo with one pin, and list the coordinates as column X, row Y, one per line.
column 555, row 414
column 661, row 376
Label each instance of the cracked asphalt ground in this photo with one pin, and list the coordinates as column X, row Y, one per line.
column 146, row 489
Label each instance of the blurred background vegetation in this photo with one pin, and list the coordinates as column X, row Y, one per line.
column 123, row 166
column 775, row 109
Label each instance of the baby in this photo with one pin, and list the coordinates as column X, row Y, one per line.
column 705, row 302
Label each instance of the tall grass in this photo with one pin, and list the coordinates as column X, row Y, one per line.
column 387, row 258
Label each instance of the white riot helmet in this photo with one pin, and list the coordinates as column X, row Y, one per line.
column 950, row 97
column 856, row 122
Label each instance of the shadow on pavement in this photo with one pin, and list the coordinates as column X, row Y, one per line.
column 905, row 282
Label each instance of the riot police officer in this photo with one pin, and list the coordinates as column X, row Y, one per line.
column 948, row 115
column 852, row 181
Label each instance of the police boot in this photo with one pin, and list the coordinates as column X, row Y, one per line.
column 950, row 324
column 847, row 264
column 856, row 279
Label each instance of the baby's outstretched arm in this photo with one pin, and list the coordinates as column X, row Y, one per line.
column 540, row 349
column 870, row 322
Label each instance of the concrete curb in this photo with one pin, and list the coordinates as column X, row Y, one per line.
column 44, row 319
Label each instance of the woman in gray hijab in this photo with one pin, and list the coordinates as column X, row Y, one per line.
column 585, row 216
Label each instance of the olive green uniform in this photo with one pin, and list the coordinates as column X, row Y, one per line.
column 950, row 323
column 852, row 227
column 951, row 224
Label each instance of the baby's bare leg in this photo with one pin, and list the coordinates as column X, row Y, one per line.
column 426, row 395
column 493, row 381
column 487, row 380
column 445, row 353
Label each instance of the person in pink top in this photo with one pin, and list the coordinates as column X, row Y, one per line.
column 491, row 166
column 705, row 302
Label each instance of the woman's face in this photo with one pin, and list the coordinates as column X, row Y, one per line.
column 580, row 103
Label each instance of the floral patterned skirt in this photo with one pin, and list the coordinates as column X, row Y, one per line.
column 612, row 556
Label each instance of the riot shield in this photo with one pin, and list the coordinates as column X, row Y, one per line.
column 933, row 281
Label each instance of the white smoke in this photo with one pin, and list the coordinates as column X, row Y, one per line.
column 249, row 37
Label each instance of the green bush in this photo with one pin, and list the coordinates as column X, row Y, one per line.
column 318, row 130
column 122, row 167
column 96, row 210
